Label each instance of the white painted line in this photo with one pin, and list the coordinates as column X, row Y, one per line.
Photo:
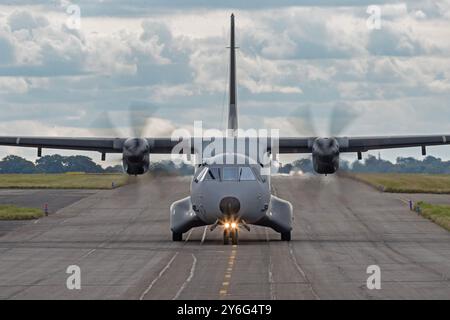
column 191, row 275
column 158, row 277
column 89, row 253
column 269, row 270
column 299, row 269
column 403, row 200
column 188, row 236
column 204, row 235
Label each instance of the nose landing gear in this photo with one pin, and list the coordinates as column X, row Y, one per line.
column 230, row 231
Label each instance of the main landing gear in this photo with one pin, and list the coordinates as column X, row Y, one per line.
column 286, row 236
column 176, row 236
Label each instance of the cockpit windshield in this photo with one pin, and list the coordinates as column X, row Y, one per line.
column 227, row 173
column 246, row 174
column 230, row 173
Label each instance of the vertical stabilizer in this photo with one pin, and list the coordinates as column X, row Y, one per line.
column 232, row 111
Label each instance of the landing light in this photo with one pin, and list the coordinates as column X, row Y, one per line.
column 233, row 225
column 227, row 225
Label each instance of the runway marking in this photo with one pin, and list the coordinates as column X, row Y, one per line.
column 161, row 273
column 204, row 235
column 403, row 200
column 188, row 236
column 158, row 277
column 226, row 283
column 191, row 275
column 89, row 253
column 300, row 270
column 270, row 270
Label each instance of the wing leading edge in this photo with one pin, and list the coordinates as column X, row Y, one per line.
column 285, row 145
column 102, row 145
column 363, row 144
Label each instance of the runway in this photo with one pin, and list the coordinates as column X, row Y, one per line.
column 121, row 241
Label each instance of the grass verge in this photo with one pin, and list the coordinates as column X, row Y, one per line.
column 11, row 212
column 406, row 182
column 62, row 181
column 438, row 213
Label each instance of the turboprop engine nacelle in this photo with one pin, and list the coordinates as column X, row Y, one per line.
column 325, row 155
column 136, row 156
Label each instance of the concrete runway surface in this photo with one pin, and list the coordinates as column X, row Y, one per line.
column 121, row 241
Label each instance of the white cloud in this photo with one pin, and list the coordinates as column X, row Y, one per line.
column 20, row 19
column 176, row 59
column 16, row 85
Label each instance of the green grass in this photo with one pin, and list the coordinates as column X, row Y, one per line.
column 61, row 181
column 11, row 212
column 438, row 213
column 406, row 182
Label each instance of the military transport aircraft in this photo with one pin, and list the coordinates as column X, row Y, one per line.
column 229, row 190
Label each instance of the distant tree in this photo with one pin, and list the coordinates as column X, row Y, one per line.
column 287, row 168
column 344, row 165
column 185, row 169
column 51, row 164
column 15, row 164
column 81, row 164
column 305, row 165
column 115, row 169
column 373, row 164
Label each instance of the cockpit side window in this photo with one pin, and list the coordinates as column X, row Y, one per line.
column 201, row 175
column 246, row 174
column 213, row 174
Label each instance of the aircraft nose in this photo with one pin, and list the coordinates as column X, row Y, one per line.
column 230, row 205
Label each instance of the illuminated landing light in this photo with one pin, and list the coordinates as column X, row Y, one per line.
column 233, row 225
column 227, row 225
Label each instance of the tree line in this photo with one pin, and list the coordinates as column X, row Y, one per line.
column 373, row 164
column 63, row 164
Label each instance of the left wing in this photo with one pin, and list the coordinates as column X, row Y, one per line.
column 363, row 144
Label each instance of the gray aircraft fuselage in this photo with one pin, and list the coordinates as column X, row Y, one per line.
column 238, row 192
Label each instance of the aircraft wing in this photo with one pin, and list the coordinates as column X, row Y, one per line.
column 285, row 145
column 363, row 144
column 102, row 145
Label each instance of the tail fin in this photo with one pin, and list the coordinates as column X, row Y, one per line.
column 232, row 111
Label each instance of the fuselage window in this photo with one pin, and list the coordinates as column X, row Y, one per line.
column 246, row 174
column 230, row 173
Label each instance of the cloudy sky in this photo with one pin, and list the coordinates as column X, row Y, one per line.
column 60, row 75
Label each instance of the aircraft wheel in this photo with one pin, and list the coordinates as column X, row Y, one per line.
column 176, row 236
column 286, row 236
column 226, row 236
column 234, row 237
